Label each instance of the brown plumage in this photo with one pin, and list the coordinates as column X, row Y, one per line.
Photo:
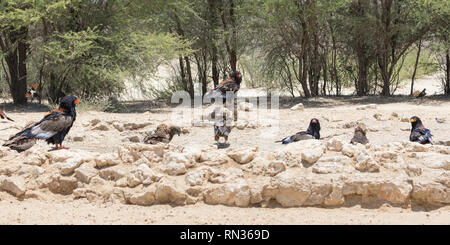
column 418, row 94
column 360, row 134
column 163, row 134
column 21, row 143
column 32, row 92
column 3, row 115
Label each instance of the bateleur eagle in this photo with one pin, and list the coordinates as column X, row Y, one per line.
column 419, row 133
column 360, row 134
column 163, row 134
column 32, row 92
column 313, row 132
column 53, row 128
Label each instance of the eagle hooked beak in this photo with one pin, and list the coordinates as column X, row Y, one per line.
column 76, row 101
column 413, row 120
column 314, row 121
column 238, row 75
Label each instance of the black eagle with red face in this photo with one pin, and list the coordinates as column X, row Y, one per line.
column 53, row 128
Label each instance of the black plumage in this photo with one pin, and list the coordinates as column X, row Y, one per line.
column 422, row 94
column 227, row 90
column 419, row 133
column 53, row 128
column 313, row 132
column 360, row 134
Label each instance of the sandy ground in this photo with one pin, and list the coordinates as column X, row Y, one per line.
column 84, row 213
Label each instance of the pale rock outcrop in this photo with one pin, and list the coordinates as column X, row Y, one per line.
column 412, row 170
column 312, row 150
column 142, row 175
column 62, row 185
column 243, row 155
column 291, row 155
column 289, row 188
column 365, row 162
column 101, row 126
column 224, row 176
column 85, row 173
column 335, row 144
column 107, row 160
column 175, row 163
column 265, row 165
column 112, row 173
column 234, row 193
column 144, row 197
column 193, row 152
column 298, row 107
column 14, row 185
column 197, row 176
column 169, row 190
column 32, row 171
column 332, row 165
column 394, row 190
column 430, row 192
column 213, row 157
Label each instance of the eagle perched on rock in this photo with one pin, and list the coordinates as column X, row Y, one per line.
column 163, row 134
column 360, row 134
column 419, row 133
column 53, row 128
column 313, row 132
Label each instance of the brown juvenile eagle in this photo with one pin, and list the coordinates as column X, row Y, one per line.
column 360, row 134
column 163, row 133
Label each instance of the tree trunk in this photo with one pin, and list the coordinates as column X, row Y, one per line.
column 419, row 46
column 183, row 73
column 302, row 71
column 17, row 67
column 213, row 24
column 447, row 73
column 189, row 73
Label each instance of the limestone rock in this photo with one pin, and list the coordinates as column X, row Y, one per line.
column 63, row 185
column 335, row 144
column 170, row 191
column 145, row 197
column 85, row 173
column 14, row 185
column 236, row 193
column 112, row 173
column 365, row 162
column 243, row 155
column 106, row 160
column 312, row 151
column 298, row 107
column 175, row 163
column 332, row 165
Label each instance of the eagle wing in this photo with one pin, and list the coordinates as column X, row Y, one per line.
column 48, row 127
